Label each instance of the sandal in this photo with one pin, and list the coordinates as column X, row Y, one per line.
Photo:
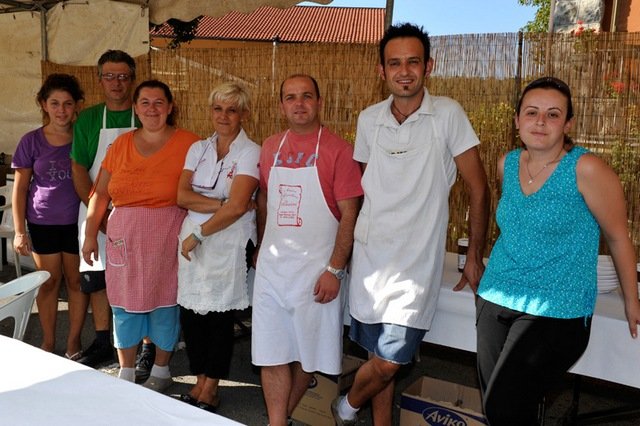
column 186, row 398
column 73, row 357
column 212, row 408
column 207, row 407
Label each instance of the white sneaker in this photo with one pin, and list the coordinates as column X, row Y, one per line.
column 339, row 420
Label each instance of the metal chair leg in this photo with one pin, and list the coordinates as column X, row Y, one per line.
column 16, row 261
column 541, row 412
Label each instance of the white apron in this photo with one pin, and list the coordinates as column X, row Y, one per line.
column 399, row 237
column 288, row 325
column 106, row 138
column 215, row 280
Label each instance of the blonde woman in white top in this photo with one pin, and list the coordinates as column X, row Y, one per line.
column 217, row 184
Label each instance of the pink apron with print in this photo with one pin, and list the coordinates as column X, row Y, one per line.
column 142, row 266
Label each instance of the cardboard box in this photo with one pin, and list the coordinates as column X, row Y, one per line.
column 315, row 406
column 436, row 402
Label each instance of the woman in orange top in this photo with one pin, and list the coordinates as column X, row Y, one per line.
column 140, row 176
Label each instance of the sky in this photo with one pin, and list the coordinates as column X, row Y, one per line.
column 445, row 17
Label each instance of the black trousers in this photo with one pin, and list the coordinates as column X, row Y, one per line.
column 209, row 342
column 520, row 357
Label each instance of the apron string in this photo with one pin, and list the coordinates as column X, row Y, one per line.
column 104, row 118
column 285, row 138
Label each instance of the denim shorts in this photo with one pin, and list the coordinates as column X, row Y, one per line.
column 162, row 326
column 390, row 342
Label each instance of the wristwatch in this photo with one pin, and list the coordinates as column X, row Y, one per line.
column 339, row 273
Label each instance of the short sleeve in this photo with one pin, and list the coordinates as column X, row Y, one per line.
column 461, row 136
column 115, row 150
column 23, row 157
column 193, row 156
column 80, row 145
column 362, row 149
column 248, row 161
column 347, row 183
column 266, row 161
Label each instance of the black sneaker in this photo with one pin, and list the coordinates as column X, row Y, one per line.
column 97, row 354
column 144, row 363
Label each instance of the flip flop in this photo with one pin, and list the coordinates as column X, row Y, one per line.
column 73, row 357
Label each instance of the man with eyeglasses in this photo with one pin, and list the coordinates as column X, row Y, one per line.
column 96, row 128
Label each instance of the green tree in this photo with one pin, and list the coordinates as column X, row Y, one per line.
column 540, row 23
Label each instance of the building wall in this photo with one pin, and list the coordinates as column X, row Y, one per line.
column 634, row 16
column 570, row 15
column 627, row 15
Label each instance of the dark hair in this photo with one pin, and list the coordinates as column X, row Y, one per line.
column 313, row 80
column 117, row 56
column 553, row 84
column 157, row 84
column 405, row 30
column 64, row 82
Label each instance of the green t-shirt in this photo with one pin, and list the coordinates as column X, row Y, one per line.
column 86, row 131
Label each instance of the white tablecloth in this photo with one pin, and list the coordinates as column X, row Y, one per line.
column 39, row 388
column 611, row 355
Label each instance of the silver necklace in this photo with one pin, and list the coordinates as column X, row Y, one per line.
column 534, row 176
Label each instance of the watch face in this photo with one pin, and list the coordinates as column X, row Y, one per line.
column 339, row 273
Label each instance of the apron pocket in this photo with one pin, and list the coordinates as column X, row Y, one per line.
column 117, row 252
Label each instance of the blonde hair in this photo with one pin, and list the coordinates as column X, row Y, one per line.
column 231, row 92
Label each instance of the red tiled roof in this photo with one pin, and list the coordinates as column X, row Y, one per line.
column 294, row 24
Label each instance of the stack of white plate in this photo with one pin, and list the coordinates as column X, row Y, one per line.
column 607, row 277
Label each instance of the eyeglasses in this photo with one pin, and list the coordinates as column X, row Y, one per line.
column 215, row 182
column 111, row 76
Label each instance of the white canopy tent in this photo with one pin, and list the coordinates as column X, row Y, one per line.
column 77, row 32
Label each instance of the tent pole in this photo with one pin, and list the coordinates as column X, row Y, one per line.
column 388, row 15
column 43, row 33
column 550, row 31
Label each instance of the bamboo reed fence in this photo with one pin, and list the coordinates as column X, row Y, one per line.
column 483, row 72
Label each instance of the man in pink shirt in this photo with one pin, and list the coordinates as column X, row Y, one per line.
column 307, row 205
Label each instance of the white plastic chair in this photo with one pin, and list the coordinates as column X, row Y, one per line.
column 7, row 231
column 21, row 293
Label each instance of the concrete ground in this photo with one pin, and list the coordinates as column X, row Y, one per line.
column 241, row 394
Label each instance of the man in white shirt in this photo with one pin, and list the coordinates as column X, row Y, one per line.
column 410, row 146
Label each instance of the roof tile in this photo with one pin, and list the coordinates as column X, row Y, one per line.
column 293, row 25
